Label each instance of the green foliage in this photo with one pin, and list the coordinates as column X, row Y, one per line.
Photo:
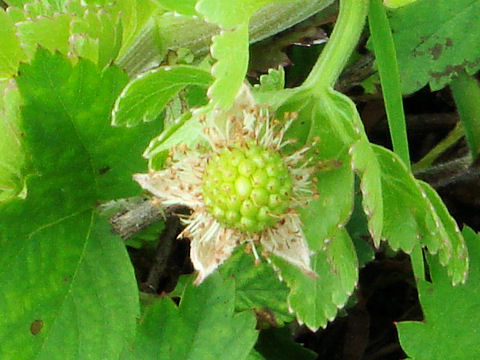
column 12, row 157
column 450, row 313
column 67, row 280
column 230, row 48
column 10, row 51
column 440, row 47
column 144, row 98
column 257, row 286
column 425, row 220
column 203, row 327
column 185, row 7
column 53, row 258
column 321, row 117
column 317, row 300
column 274, row 80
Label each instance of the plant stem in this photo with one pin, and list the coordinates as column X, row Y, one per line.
column 451, row 139
column 346, row 33
column 466, row 93
column 386, row 58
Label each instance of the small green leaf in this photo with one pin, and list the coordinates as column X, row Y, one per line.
column 203, row 327
column 451, row 317
column 274, row 80
column 257, row 286
column 424, row 219
column 442, row 44
column 96, row 36
column 51, row 33
column 186, row 130
column 367, row 167
column 230, row 48
column 144, row 98
column 316, row 301
column 453, row 254
column 67, row 276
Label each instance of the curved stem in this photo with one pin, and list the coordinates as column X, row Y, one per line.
column 346, row 33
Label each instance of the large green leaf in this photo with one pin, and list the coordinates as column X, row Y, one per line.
column 316, row 301
column 66, row 280
column 144, row 98
column 203, row 327
column 451, row 317
column 435, row 40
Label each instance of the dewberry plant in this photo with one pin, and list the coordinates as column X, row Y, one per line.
column 108, row 108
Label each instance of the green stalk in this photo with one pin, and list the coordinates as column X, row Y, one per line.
column 451, row 139
column 386, row 58
column 346, row 33
column 466, row 93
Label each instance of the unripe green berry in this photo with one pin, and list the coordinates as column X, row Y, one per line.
column 247, row 187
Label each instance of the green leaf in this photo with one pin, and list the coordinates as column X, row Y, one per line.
column 229, row 14
column 230, row 48
column 257, row 286
column 10, row 51
column 96, row 36
column 453, row 254
column 451, row 316
column 397, row 3
column 441, row 45
column 357, row 228
column 424, row 219
column 55, row 5
column 278, row 344
column 274, row 80
column 187, row 130
column 184, row 7
column 51, row 33
column 327, row 117
column 367, row 167
column 203, row 327
column 12, row 156
column 67, row 281
column 144, row 98
column 316, row 301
